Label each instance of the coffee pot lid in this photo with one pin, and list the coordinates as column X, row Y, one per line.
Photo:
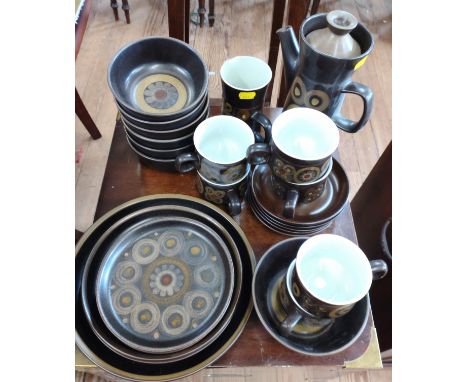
column 335, row 40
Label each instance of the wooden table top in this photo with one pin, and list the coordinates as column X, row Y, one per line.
column 125, row 178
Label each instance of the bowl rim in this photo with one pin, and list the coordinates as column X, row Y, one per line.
column 158, row 38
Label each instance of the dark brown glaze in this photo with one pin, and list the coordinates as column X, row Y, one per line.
column 126, row 178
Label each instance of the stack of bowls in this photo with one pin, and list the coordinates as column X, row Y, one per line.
column 160, row 86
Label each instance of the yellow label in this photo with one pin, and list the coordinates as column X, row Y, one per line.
column 360, row 63
column 247, row 95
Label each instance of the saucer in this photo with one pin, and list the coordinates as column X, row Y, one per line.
column 280, row 227
column 271, row 268
column 321, row 210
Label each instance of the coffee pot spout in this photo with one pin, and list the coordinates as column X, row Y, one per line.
column 290, row 50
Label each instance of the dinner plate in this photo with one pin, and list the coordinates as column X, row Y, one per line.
column 95, row 258
column 164, row 283
column 120, row 366
column 271, row 268
column 319, row 211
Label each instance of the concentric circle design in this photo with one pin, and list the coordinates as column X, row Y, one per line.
column 207, row 276
column 175, row 320
column 198, row 303
column 145, row 317
column 127, row 272
column 144, row 251
column 161, row 93
column 317, row 99
column 171, row 243
column 125, row 299
column 195, row 252
column 306, row 174
column 297, row 91
column 166, row 280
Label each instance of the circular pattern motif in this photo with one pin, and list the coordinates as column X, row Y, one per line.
column 283, row 170
column 306, row 174
column 195, row 252
column 297, row 91
column 161, row 93
column 145, row 317
column 317, row 99
column 227, row 108
column 166, row 280
column 314, row 193
column 127, row 272
column 233, row 173
column 175, row 320
column 215, row 196
column 125, row 299
column 198, row 303
column 171, row 243
column 144, row 251
column 207, row 276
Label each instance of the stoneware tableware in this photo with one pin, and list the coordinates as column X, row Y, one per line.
column 221, row 143
column 90, row 275
column 229, row 195
column 159, row 78
column 245, row 82
column 160, row 154
column 177, row 132
column 122, row 367
column 319, row 211
column 293, row 193
column 170, row 124
column 304, row 337
column 295, row 313
column 320, row 81
column 302, row 143
column 164, row 283
column 159, row 144
column 160, row 164
column 330, row 274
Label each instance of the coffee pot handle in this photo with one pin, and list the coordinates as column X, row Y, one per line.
column 234, row 204
column 259, row 121
column 186, row 162
column 367, row 97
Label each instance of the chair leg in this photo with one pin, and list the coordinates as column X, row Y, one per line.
column 126, row 9
column 114, row 6
column 211, row 14
column 315, row 5
column 84, row 116
column 201, row 12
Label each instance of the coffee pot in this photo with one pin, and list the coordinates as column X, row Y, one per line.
column 319, row 68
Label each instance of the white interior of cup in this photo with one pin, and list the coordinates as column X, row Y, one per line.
column 245, row 73
column 223, row 139
column 333, row 269
column 305, row 134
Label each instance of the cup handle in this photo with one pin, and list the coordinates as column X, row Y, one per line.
column 379, row 269
column 234, row 204
column 290, row 204
column 293, row 317
column 186, row 162
column 260, row 120
column 258, row 153
column 367, row 97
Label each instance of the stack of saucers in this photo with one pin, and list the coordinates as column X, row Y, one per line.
column 309, row 217
column 160, row 86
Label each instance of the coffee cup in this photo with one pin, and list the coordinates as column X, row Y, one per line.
column 301, row 146
column 245, row 82
column 294, row 193
column 220, row 143
column 229, row 195
column 330, row 274
column 295, row 313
